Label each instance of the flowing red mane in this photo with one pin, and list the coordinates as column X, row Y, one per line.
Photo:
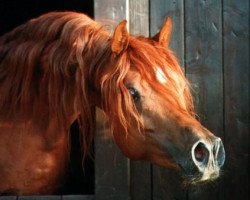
column 66, row 57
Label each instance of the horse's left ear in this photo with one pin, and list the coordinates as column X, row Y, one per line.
column 120, row 38
column 163, row 37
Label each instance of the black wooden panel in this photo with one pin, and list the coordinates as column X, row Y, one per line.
column 203, row 29
column 8, row 197
column 236, row 69
column 167, row 183
column 39, row 198
column 204, row 60
column 140, row 180
column 112, row 168
column 65, row 197
column 77, row 197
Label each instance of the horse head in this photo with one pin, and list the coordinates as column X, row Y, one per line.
column 147, row 99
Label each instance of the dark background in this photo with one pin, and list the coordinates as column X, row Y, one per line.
column 16, row 12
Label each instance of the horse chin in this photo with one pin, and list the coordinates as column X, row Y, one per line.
column 199, row 179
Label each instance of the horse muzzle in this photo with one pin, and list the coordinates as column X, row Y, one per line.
column 200, row 159
column 208, row 158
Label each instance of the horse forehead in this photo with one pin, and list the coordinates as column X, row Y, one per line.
column 133, row 76
column 161, row 77
column 175, row 77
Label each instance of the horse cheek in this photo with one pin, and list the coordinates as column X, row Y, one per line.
column 132, row 145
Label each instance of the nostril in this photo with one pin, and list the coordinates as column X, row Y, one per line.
column 208, row 157
column 201, row 153
column 219, row 152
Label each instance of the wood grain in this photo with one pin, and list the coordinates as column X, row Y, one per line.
column 204, row 69
column 112, row 168
column 236, row 74
column 166, row 183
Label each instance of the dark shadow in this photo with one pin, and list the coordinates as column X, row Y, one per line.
column 80, row 178
column 16, row 12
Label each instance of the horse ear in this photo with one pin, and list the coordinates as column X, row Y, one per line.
column 120, row 38
column 163, row 37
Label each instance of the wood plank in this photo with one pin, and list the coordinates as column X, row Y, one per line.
column 50, row 197
column 236, row 68
column 167, row 183
column 112, row 168
column 139, row 17
column 140, row 172
column 111, row 11
column 203, row 29
column 140, row 180
column 78, row 197
column 8, row 197
column 174, row 9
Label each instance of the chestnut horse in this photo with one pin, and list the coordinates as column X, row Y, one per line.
column 59, row 67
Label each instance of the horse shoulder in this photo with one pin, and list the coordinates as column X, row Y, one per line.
column 28, row 164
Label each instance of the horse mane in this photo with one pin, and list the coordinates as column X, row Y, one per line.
column 56, row 54
column 43, row 61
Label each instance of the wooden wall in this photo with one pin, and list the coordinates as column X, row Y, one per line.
column 211, row 39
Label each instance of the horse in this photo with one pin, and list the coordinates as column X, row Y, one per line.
column 59, row 67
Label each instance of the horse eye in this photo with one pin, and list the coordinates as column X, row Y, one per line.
column 134, row 94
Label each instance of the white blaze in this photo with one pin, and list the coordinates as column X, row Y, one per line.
column 161, row 76
column 180, row 84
